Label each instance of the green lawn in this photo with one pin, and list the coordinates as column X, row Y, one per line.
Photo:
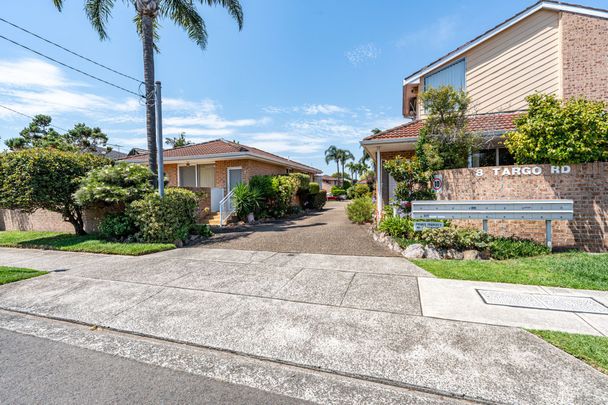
column 75, row 243
column 569, row 270
column 592, row 349
column 10, row 274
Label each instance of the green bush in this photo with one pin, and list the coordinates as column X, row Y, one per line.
column 560, row 132
column 511, row 248
column 38, row 178
column 164, row 220
column 456, row 238
column 246, row 200
column 117, row 226
column 360, row 210
column 201, row 230
column 317, row 201
column 397, row 227
column 285, row 188
column 337, row 190
column 358, row 190
column 119, row 184
column 313, row 188
column 264, row 185
column 301, row 180
column 346, row 185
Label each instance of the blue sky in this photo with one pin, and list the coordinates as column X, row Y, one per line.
column 300, row 76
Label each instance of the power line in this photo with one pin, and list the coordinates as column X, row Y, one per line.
column 29, row 116
column 71, row 67
column 70, row 51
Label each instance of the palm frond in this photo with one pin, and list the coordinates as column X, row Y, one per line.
column 233, row 6
column 58, row 4
column 184, row 14
column 98, row 12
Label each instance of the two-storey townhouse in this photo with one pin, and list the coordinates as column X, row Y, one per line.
column 550, row 47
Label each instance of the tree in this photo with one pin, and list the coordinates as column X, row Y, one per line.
column 375, row 131
column 331, row 155
column 445, row 126
column 148, row 12
column 353, row 168
column 37, row 178
column 560, row 132
column 40, row 134
column 344, row 156
column 178, row 141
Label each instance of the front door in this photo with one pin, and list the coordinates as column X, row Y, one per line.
column 235, row 177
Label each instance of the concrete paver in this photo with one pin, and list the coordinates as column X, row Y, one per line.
column 460, row 300
column 317, row 286
column 383, row 293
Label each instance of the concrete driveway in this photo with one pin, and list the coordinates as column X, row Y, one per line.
column 351, row 320
column 328, row 231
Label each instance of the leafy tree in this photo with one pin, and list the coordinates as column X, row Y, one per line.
column 115, row 185
column 445, row 126
column 178, row 141
column 37, row 178
column 560, row 132
column 413, row 179
column 40, row 134
column 147, row 15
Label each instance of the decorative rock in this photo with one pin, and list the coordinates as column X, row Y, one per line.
column 431, row 252
column 179, row 243
column 453, row 254
column 471, row 255
column 414, row 251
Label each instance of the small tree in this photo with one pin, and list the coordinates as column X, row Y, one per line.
column 559, row 132
column 37, row 178
column 445, row 126
column 178, row 141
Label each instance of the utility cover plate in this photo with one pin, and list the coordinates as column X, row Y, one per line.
column 566, row 303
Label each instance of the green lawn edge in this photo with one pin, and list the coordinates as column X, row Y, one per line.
column 77, row 243
column 577, row 270
column 593, row 350
column 9, row 274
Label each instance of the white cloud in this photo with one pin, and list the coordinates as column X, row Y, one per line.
column 326, row 109
column 363, row 53
column 31, row 72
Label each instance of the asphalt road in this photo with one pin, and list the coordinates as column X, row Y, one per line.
column 35, row 370
column 326, row 232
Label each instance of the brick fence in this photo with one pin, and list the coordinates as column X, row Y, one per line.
column 585, row 184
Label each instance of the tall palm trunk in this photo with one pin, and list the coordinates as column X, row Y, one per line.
column 148, row 10
column 338, row 167
column 343, row 172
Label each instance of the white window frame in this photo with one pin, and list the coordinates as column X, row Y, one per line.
column 195, row 173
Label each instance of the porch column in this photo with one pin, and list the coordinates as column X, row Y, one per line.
column 379, row 203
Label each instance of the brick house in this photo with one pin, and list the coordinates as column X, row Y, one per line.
column 550, row 47
column 220, row 165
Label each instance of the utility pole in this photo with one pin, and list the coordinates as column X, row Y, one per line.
column 159, row 139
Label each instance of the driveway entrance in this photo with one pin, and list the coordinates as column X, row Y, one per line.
column 326, row 232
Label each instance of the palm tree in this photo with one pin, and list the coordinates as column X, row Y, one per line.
column 182, row 12
column 331, row 155
column 343, row 156
column 353, row 168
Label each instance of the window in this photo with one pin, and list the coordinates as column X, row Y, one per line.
column 485, row 157
column 505, row 158
column 187, row 176
column 206, row 175
column 453, row 75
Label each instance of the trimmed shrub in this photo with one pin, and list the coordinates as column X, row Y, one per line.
column 117, row 226
column 397, row 227
column 264, row 185
column 285, row 188
column 164, row 220
column 358, row 190
column 313, row 188
column 119, row 184
column 337, row 190
column 201, row 230
column 360, row 210
column 317, row 201
column 346, row 185
column 301, row 180
column 456, row 238
column 511, row 248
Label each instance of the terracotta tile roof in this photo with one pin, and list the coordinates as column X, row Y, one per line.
column 219, row 147
column 483, row 123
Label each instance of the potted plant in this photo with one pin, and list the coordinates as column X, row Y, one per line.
column 246, row 202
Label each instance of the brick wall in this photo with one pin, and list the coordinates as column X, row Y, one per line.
column 584, row 56
column 585, row 185
column 171, row 174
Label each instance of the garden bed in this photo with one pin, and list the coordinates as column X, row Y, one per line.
column 77, row 243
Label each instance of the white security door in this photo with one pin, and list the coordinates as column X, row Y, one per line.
column 235, row 177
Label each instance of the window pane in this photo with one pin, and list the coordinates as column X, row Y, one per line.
column 206, row 176
column 187, row 176
column 453, row 75
column 485, row 157
column 505, row 158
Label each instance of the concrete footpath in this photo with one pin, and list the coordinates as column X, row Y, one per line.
column 349, row 317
